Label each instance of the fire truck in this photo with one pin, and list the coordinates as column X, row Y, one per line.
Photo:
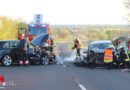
column 32, row 30
column 36, row 29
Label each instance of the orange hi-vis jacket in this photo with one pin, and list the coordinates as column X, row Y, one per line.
column 118, row 42
column 77, row 44
column 50, row 42
column 129, row 44
column 108, row 56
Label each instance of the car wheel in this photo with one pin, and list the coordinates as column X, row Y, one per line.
column 7, row 60
column 45, row 60
column 76, row 63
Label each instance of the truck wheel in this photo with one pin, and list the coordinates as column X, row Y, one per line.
column 7, row 60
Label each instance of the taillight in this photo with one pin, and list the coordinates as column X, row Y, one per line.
column 20, row 62
column 26, row 62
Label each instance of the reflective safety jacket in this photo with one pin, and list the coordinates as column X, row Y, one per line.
column 129, row 45
column 108, row 56
column 77, row 44
column 127, row 59
column 50, row 42
column 123, row 56
column 129, row 52
column 72, row 46
column 118, row 42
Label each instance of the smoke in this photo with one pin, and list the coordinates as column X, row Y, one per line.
column 66, row 54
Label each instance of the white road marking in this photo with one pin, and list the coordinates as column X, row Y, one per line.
column 82, row 87
column 64, row 65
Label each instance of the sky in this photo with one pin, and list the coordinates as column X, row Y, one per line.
column 66, row 11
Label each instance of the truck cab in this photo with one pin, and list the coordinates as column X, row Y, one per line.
column 36, row 29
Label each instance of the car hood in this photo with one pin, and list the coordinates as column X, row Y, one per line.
column 40, row 40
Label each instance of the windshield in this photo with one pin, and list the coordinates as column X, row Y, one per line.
column 37, row 31
column 100, row 46
column 22, row 31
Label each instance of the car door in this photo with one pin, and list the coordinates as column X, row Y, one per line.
column 14, row 49
column 6, row 48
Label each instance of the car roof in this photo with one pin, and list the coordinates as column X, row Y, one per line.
column 101, row 42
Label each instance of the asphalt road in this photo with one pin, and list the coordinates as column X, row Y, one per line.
column 63, row 76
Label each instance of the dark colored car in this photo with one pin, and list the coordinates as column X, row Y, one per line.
column 95, row 53
column 37, row 53
column 9, row 52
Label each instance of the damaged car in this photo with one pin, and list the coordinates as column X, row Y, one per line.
column 47, row 56
column 94, row 56
column 38, row 51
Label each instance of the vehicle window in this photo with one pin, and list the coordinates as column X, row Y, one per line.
column 7, row 44
column 100, row 46
column 1, row 43
column 37, row 31
column 14, row 44
column 22, row 31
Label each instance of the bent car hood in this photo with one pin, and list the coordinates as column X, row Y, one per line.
column 40, row 40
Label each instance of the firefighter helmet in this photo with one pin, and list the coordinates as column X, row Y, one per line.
column 121, row 47
column 115, row 38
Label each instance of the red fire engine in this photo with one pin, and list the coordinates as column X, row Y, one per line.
column 34, row 29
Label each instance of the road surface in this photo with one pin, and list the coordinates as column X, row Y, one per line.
column 64, row 76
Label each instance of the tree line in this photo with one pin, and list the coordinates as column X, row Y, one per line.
column 9, row 31
column 89, row 34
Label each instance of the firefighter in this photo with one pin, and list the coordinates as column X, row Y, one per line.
column 109, row 56
column 50, row 42
column 129, row 46
column 124, row 58
column 116, row 43
column 23, row 51
column 77, row 45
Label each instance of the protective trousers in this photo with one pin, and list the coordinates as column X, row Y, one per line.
column 78, row 55
column 51, row 48
column 23, row 55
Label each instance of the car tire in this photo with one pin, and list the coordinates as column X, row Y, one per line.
column 45, row 60
column 76, row 63
column 7, row 60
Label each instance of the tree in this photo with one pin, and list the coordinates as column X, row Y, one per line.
column 8, row 29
